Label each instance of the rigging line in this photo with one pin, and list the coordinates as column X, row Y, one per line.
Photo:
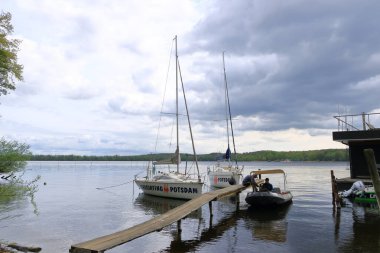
column 163, row 99
column 188, row 120
column 144, row 169
column 171, row 134
column 173, row 113
column 226, row 102
column 219, row 119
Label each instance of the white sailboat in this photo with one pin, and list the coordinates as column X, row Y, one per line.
column 173, row 184
column 226, row 173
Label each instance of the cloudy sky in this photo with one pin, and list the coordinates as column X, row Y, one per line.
column 99, row 79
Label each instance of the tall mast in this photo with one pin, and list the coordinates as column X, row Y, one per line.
column 176, row 85
column 226, row 104
column 229, row 111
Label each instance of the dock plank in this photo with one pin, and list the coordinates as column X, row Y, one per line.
column 107, row 242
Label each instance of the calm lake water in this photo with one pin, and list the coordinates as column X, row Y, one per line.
column 70, row 209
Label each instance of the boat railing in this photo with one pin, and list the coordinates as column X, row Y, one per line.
column 358, row 122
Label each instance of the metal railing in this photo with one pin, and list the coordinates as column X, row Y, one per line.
column 358, row 122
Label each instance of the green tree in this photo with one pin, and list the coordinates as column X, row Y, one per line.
column 13, row 156
column 10, row 70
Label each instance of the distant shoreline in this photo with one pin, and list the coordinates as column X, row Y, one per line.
column 266, row 155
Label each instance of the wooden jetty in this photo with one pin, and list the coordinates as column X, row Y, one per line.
column 101, row 244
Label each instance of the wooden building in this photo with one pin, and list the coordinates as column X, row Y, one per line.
column 358, row 132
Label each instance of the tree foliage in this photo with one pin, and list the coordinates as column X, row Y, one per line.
column 311, row 155
column 10, row 70
column 13, row 156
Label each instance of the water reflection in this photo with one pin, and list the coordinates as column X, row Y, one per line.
column 212, row 233
column 9, row 207
column 268, row 224
column 153, row 205
column 365, row 235
column 72, row 210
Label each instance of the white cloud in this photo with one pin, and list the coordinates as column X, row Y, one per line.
column 368, row 84
column 95, row 72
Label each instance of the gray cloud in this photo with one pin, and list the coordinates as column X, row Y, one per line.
column 316, row 55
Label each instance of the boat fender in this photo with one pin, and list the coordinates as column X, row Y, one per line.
column 247, row 180
column 232, row 181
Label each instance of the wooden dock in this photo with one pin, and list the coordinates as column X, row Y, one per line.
column 101, row 244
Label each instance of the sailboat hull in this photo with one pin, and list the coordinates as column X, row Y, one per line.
column 168, row 189
column 222, row 179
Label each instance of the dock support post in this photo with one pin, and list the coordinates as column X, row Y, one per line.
column 336, row 214
column 210, row 207
column 179, row 230
column 335, row 196
column 179, row 226
column 237, row 201
column 371, row 162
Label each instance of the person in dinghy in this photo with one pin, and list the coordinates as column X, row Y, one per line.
column 266, row 186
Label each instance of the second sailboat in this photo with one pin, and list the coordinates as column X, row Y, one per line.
column 226, row 172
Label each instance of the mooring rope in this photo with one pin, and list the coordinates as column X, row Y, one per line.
column 101, row 188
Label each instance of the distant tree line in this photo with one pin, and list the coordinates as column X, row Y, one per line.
column 311, row 155
column 267, row 155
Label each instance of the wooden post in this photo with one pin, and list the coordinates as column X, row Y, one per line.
column 335, row 196
column 210, row 207
column 332, row 187
column 179, row 230
column 371, row 162
column 237, row 201
column 179, row 226
column 336, row 213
